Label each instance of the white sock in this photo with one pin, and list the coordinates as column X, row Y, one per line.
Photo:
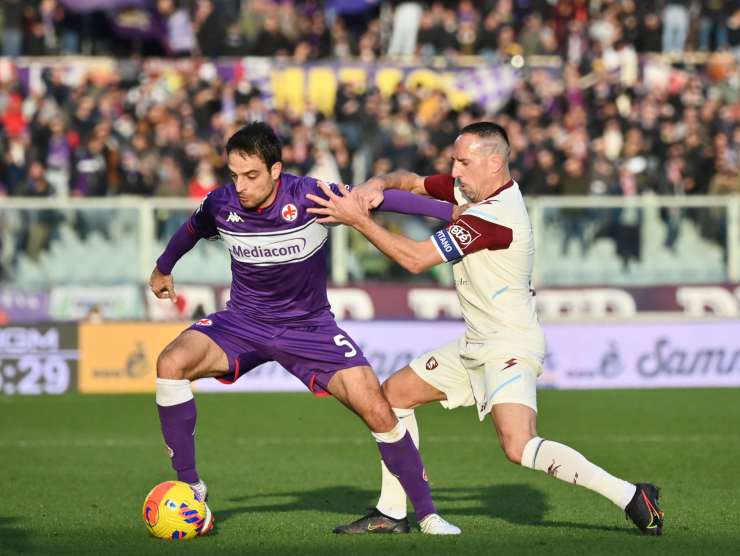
column 392, row 501
column 173, row 392
column 568, row 465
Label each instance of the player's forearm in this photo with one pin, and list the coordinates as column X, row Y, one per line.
column 401, row 249
column 182, row 241
column 403, row 180
column 409, row 203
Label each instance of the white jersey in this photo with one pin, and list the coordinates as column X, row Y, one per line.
column 491, row 247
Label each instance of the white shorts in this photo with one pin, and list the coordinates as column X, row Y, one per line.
column 482, row 377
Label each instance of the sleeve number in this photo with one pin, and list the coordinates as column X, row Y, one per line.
column 342, row 341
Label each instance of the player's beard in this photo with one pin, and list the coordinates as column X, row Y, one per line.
column 252, row 204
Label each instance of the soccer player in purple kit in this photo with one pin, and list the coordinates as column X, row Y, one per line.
column 278, row 311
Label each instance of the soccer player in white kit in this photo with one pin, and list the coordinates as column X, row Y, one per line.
column 495, row 364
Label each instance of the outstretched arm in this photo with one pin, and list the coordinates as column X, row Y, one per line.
column 400, row 179
column 409, row 203
column 349, row 208
column 395, row 200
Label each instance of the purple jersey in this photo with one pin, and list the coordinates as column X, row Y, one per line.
column 278, row 253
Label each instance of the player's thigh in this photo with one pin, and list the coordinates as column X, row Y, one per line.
column 192, row 355
column 511, row 399
column 443, row 371
column 505, row 380
column 358, row 389
column 405, row 390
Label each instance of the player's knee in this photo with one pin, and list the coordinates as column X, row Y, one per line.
column 171, row 365
column 391, row 394
column 379, row 416
column 513, row 447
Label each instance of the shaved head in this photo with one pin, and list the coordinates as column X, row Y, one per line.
column 480, row 160
column 490, row 138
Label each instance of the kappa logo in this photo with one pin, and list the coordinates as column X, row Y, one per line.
column 464, row 233
column 432, row 364
column 170, row 452
column 234, row 217
column 204, row 322
column 553, row 469
column 289, row 212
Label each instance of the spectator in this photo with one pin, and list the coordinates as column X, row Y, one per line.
column 180, row 39
column 12, row 35
column 406, row 20
column 675, row 25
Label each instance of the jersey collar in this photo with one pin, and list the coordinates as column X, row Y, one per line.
column 507, row 185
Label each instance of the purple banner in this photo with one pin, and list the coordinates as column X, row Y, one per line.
column 133, row 23
column 92, row 5
column 23, row 306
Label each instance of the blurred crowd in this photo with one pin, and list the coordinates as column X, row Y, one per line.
column 368, row 29
column 600, row 122
column 577, row 130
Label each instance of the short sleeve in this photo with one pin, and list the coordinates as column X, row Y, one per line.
column 474, row 231
column 441, row 186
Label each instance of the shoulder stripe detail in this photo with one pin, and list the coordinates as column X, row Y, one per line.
column 481, row 214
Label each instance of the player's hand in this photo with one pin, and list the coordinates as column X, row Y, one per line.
column 458, row 210
column 371, row 191
column 346, row 208
column 162, row 285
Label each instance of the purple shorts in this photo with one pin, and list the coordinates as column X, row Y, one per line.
column 313, row 354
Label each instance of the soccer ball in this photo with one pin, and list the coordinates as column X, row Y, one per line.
column 171, row 511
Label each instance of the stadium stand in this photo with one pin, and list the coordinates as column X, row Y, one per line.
column 580, row 120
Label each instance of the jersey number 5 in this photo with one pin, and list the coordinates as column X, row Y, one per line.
column 341, row 341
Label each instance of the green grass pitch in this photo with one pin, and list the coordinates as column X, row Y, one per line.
column 283, row 469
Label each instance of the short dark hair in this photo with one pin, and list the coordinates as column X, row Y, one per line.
column 486, row 130
column 256, row 139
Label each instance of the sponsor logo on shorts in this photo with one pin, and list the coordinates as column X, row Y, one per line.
column 553, row 469
column 204, row 322
column 289, row 212
column 424, row 474
column 432, row 364
column 170, row 452
column 464, row 233
column 510, row 363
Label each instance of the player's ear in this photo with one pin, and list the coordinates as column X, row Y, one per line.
column 275, row 171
